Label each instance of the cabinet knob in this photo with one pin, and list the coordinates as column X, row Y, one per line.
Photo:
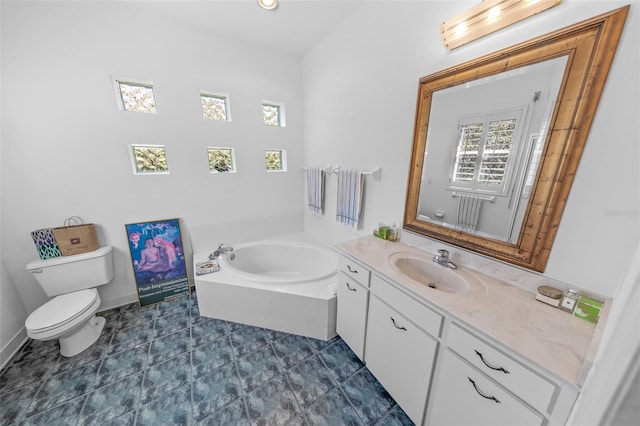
column 349, row 287
column 353, row 271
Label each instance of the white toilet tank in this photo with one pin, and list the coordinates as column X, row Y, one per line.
column 66, row 274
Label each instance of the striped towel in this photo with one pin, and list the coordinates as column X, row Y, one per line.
column 315, row 189
column 350, row 191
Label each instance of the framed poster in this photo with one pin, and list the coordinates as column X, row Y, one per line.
column 157, row 258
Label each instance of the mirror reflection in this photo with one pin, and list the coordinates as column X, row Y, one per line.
column 497, row 141
column 483, row 146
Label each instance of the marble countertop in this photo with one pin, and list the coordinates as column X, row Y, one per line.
column 553, row 339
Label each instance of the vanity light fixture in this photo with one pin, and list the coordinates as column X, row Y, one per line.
column 268, row 4
column 487, row 17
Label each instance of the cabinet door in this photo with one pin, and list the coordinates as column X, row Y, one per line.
column 401, row 356
column 464, row 396
column 352, row 313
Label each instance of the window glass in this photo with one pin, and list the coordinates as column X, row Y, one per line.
column 137, row 97
column 221, row 160
column 214, row 107
column 149, row 159
column 275, row 160
column 485, row 149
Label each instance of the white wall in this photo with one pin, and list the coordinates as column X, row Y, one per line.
column 360, row 88
column 12, row 316
column 65, row 142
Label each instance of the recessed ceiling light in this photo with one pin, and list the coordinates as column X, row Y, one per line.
column 268, row 4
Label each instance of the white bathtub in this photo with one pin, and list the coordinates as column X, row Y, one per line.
column 286, row 284
column 277, row 262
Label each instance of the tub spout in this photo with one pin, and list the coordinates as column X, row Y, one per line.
column 219, row 251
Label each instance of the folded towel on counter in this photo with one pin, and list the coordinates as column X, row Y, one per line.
column 350, row 192
column 315, row 189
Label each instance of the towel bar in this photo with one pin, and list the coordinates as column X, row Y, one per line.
column 326, row 169
column 375, row 173
column 489, row 198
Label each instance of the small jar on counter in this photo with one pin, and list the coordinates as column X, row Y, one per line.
column 569, row 300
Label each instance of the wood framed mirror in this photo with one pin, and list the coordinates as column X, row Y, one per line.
column 497, row 141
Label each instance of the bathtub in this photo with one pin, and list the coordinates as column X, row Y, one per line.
column 286, row 284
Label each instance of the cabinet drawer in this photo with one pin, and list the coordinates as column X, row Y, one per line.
column 401, row 357
column 528, row 385
column 354, row 270
column 427, row 319
column 464, row 396
column 351, row 319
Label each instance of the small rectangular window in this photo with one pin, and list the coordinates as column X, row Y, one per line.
column 215, row 107
column 136, row 97
column 273, row 114
column 486, row 148
column 221, row 160
column 276, row 160
column 149, row 159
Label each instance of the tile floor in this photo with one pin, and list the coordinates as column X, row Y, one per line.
column 166, row 364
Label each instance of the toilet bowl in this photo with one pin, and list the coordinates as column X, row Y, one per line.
column 71, row 319
column 70, row 316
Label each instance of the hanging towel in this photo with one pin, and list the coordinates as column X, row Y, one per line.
column 468, row 212
column 350, row 192
column 315, row 189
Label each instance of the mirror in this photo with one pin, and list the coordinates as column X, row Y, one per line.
column 497, row 141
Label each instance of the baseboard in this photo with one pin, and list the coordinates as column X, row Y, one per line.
column 12, row 347
column 118, row 301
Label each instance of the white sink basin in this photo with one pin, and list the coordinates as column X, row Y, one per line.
column 428, row 273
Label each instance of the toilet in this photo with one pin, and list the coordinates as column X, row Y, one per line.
column 70, row 316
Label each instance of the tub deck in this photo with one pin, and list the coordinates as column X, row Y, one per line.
column 307, row 309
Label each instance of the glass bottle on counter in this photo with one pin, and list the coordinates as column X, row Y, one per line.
column 569, row 300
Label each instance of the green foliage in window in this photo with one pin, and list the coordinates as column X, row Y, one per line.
column 220, row 159
column 137, row 97
column 273, row 159
column 214, row 107
column 271, row 115
column 150, row 159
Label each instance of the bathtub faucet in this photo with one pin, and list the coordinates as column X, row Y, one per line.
column 219, row 251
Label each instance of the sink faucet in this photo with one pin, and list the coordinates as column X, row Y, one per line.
column 442, row 258
column 219, row 251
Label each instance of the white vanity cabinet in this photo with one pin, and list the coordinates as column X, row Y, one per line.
column 440, row 368
column 400, row 351
column 494, row 387
column 353, row 299
column 463, row 396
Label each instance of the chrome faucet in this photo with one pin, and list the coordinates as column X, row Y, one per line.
column 442, row 258
column 219, row 251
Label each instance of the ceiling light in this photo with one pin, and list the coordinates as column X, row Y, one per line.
column 487, row 17
column 268, row 4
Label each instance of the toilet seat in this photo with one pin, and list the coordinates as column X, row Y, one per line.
column 61, row 311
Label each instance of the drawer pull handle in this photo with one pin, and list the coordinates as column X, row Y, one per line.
column 491, row 367
column 396, row 325
column 349, row 287
column 493, row 398
column 353, row 271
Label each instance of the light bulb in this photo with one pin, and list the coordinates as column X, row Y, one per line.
column 268, row 4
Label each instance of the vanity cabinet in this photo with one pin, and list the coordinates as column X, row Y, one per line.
column 353, row 299
column 439, row 368
column 464, row 396
column 528, row 385
column 401, row 345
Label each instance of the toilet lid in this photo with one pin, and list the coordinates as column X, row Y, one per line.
column 61, row 309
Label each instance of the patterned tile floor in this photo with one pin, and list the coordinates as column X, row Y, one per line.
column 166, row 364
